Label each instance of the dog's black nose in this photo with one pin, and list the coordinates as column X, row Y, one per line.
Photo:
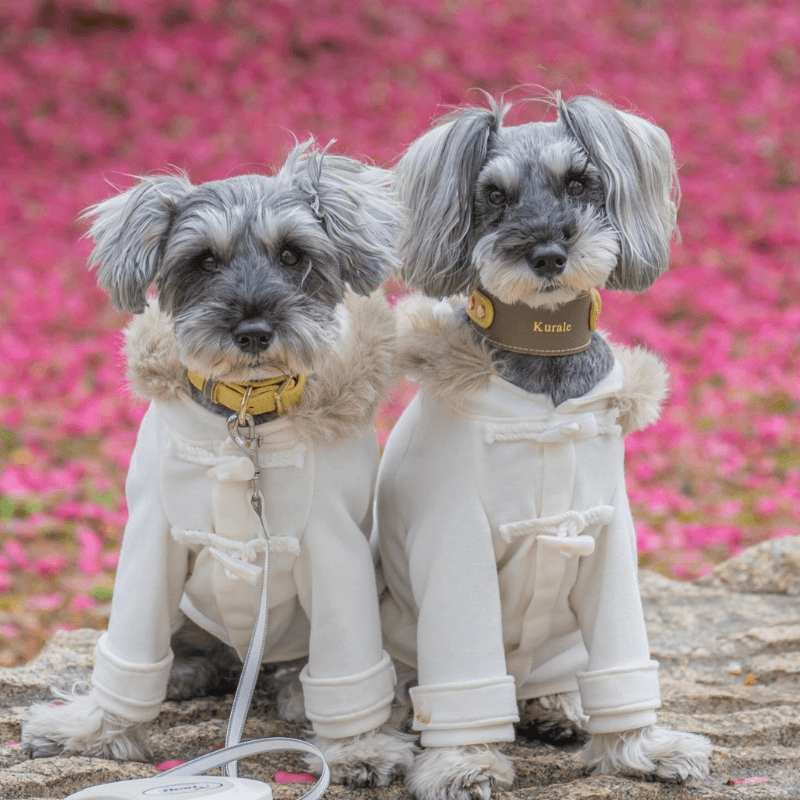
column 547, row 260
column 252, row 335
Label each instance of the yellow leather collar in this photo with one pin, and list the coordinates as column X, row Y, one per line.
column 257, row 397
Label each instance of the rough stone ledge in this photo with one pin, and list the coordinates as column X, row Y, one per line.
column 729, row 648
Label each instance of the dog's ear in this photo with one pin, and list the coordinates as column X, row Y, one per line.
column 129, row 231
column 357, row 208
column 435, row 181
column 640, row 182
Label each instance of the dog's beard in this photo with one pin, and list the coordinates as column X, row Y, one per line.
column 592, row 254
column 300, row 344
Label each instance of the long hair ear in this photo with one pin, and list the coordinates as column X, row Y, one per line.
column 128, row 232
column 640, row 182
column 435, row 181
column 357, row 208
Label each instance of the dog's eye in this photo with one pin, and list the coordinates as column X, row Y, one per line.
column 208, row 262
column 290, row 257
column 575, row 187
column 497, row 197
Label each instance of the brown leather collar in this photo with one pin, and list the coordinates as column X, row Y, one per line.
column 562, row 331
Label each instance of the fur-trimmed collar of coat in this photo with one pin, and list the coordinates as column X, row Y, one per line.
column 437, row 350
column 339, row 400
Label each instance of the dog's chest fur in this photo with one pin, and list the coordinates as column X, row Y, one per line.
column 442, row 352
column 559, row 377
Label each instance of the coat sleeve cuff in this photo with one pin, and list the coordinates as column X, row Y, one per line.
column 132, row 691
column 339, row 707
column 620, row 699
column 470, row 712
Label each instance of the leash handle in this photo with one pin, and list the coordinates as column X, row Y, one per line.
column 251, row 747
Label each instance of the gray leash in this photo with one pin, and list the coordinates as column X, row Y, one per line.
column 235, row 748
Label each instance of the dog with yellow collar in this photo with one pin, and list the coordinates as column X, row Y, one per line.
column 264, row 359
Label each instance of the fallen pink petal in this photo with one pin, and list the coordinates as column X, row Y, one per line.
column 165, row 765
column 743, row 781
column 293, row 777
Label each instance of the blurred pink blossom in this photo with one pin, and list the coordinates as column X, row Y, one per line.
column 221, row 89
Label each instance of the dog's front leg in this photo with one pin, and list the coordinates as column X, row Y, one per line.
column 439, row 563
column 619, row 690
column 348, row 684
column 133, row 658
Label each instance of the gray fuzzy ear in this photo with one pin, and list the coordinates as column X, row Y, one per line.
column 128, row 232
column 640, row 181
column 357, row 208
column 435, row 181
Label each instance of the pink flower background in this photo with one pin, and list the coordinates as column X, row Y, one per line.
column 94, row 92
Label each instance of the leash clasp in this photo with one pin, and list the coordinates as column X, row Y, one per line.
column 249, row 444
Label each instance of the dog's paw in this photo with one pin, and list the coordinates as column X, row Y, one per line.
column 555, row 719
column 77, row 726
column 291, row 702
column 368, row 760
column 459, row 773
column 39, row 746
column 653, row 752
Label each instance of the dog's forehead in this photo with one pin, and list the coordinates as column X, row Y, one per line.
column 537, row 145
column 243, row 195
column 246, row 203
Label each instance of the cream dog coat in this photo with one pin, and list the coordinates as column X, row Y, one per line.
column 507, row 542
column 193, row 543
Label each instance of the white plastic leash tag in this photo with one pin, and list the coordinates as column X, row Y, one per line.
column 188, row 781
column 185, row 788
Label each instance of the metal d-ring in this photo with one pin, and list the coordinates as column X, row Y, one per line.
column 243, row 415
column 279, row 409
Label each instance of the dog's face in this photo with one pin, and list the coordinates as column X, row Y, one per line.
column 541, row 232
column 540, row 212
column 252, row 269
column 250, row 279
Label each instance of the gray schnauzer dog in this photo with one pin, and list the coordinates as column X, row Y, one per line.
column 514, row 596
column 267, row 327
column 538, row 214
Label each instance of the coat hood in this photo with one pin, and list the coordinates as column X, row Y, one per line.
column 440, row 353
column 339, row 400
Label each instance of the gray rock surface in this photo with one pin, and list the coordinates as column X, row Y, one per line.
column 729, row 648
column 769, row 567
